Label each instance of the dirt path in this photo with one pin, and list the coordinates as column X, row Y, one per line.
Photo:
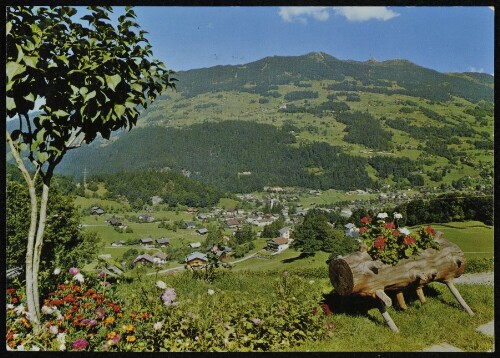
column 482, row 278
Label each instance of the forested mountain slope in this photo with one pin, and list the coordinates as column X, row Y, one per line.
column 313, row 121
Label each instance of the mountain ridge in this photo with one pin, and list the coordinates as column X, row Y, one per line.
column 327, row 105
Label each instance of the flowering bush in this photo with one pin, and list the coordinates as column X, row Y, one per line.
column 152, row 315
column 388, row 243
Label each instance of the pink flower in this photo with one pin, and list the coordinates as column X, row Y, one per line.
column 74, row 271
column 256, row 321
column 116, row 339
column 100, row 312
column 80, row 344
column 169, row 296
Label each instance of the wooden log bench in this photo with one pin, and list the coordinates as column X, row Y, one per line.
column 358, row 274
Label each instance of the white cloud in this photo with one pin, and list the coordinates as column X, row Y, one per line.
column 301, row 13
column 473, row 69
column 365, row 13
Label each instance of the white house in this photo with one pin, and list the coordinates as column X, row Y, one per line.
column 278, row 244
column 285, row 232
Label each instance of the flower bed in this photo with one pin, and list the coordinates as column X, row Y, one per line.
column 86, row 314
column 387, row 242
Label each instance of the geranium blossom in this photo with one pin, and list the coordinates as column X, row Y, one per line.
column 57, row 271
column 79, row 277
column 430, row 230
column 408, row 240
column 382, row 215
column 366, row 220
column 157, row 326
column 256, row 321
column 210, row 292
column 404, row 231
column 389, row 225
column 74, row 271
column 397, row 216
column 379, row 242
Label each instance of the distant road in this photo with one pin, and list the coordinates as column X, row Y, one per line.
column 179, row 268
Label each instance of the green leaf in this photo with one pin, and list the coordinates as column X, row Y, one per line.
column 10, row 104
column 30, row 61
column 119, row 109
column 113, row 81
column 89, row 96
column 63, row 59
column 60, row 113
column 42, row 157
column 136, row 87
column 8, row 27
column 30, row 97
column 13, row 69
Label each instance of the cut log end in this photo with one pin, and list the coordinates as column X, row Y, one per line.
column 341, row 277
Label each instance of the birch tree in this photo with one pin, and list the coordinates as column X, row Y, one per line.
column 93, row 75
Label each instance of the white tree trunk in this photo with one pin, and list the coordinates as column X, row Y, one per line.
column 31, row 275
column 38, row 245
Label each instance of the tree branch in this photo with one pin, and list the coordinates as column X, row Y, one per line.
column 19, row 161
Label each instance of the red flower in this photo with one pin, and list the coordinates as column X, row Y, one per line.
column 365, row 220
column 408, row 240
column 389, row 225
column 379, row 242
column 430, row 230
column 395, row 232
column 362, row 229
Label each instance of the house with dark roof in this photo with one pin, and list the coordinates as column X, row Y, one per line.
column 112, row 271
column 96, row 211
column 190, row 225
column 232, row 223
column 160, row 255
column 118, row 243
column 202, row 231
column 278, row 244
column 196, row 259
column 163, row 241
column 146, row 218
column 114, row 222
column 144, row 259
column 146, row 241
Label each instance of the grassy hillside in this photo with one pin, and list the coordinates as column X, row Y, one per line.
column 442, row 123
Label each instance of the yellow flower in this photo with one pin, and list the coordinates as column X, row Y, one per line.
column 109, row 320
column 131, row 339
column 111, row 335
column 129, row 328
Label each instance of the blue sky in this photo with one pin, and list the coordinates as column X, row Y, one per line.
column 447, row 39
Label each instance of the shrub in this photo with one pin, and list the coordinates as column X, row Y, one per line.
column 475, row 265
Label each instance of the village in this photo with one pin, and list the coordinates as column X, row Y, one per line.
column 189, row 234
